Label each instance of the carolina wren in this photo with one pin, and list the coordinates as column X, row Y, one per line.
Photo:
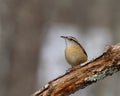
column 74, row 52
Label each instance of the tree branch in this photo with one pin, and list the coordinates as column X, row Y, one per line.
column 82, row 76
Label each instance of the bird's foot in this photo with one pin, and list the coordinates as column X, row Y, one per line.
column 73, row 68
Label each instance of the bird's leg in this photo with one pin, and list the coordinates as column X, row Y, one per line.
column 73, row 68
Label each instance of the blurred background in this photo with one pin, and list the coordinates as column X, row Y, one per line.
column 32, row 52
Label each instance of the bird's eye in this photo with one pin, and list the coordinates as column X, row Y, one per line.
column 70, row 39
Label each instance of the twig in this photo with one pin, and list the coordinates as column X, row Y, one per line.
column 79, row 78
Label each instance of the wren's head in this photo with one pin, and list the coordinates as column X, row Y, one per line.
column 70, row 40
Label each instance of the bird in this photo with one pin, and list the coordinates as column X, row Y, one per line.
column 75, row 54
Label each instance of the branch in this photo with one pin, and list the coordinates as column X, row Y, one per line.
column 82, row 76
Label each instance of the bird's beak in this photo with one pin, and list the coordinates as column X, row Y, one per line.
column 64, row 37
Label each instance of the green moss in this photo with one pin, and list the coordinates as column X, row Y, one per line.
column 102, row 74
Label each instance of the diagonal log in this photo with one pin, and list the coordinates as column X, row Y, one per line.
column 82, row 76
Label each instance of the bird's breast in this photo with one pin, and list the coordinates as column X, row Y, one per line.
column 75, row 55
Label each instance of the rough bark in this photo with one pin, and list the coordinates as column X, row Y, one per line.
column 84, row 75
